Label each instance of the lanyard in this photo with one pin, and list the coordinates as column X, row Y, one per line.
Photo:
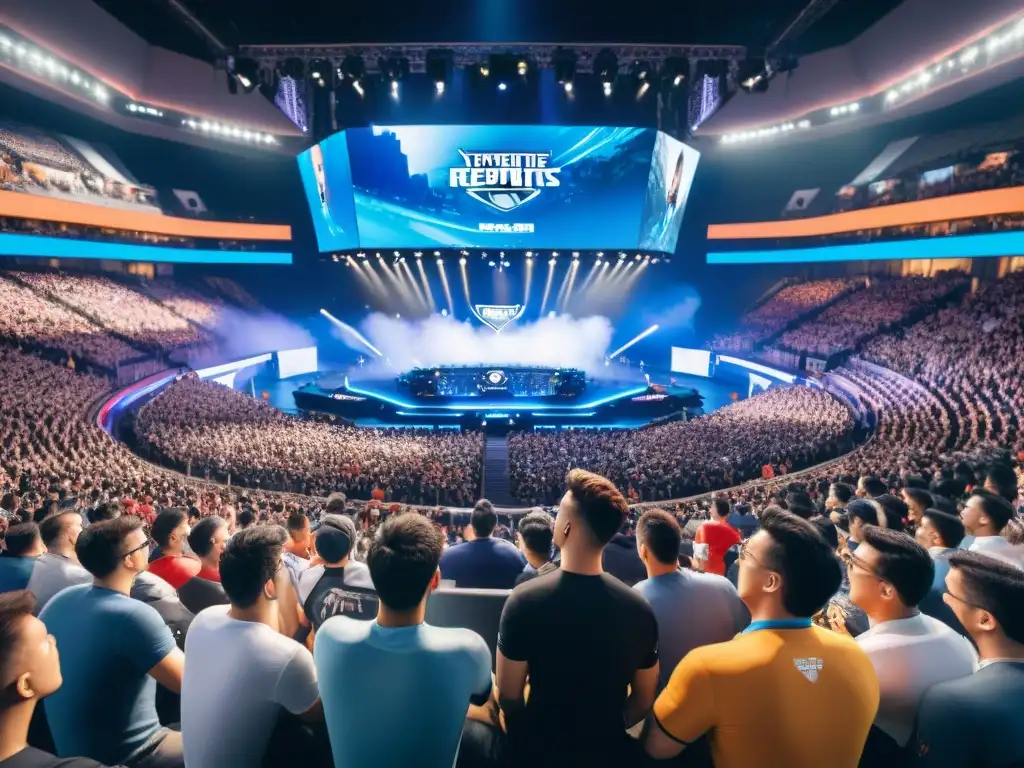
column 778, row 624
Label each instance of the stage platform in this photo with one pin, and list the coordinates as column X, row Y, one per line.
column 615, row 401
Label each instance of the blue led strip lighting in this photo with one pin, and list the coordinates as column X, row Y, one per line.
column 525, row 405
column 64, row 248
column 956, row 247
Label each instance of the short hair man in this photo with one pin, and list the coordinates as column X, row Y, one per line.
column 917, row 501
column 340, row 586
column 229, row 710
column 485, row 562
column 29, row 672
column 890, row 574
column 839, row 495
column 114, row 651
column 22, row 547
column 974, row 720
column 870, row 487
column 715, row 537
column 170, row 531
column 535, row 533
column 692, row 609
column 862, row 512
column 818, row 678
column 610, row 628
column 1001, row 480
column 58, row 567
column 940, row 533
column 398, row 669
column 984, row 517
column 207, row 540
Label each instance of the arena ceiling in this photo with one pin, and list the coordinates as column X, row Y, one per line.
column 752, row 23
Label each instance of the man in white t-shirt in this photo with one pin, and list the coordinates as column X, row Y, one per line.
column 396, row 690
column 985, row 515
column 890, row 574
column 241, row 674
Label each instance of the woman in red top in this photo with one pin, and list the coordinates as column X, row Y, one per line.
column 714, row 538
column 170, row 530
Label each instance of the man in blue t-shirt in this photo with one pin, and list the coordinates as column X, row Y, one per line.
column 396, row 691
column 23, row 548
column 484, row 562
column 113, row 652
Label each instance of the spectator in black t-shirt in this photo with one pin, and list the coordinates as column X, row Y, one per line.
column 620, row 558
column 582, row 639
column 29, row 672
column 975, row 720
column 484, row 562
column 535, row 533
column 207, row 540
column 341, row 586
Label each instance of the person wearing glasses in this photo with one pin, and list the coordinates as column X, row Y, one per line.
column 890, row 574
column 971, row 720
column 784, row 692
column 114, row 650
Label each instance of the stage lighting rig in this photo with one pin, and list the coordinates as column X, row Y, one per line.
column 564, row 63
column 642, row 70
column 243, row 71
column 676, row 71
column 754, row 75
column 352, row 67
column 321, row 73
column 439, row 66
column 393, row 68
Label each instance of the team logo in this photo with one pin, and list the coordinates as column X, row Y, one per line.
column 497, row 316
column 809, row 667
column 495, row 377
column 504, row 180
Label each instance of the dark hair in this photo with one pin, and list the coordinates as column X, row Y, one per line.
column 336, row 503
column 915, row 481
column 251, row 559
column 601, row 505
column 895, row 510
column 49, row 508
column 998, row 509
column 904, row 563
column 842, row 491
column 52, row 528
column 101, row 546
column 810, row 570
column 108, row 510
column 297, row 521
column 948, row 487
column 483, row 519
column 827, row 530
column 863, row 509
column 721, row 506
column 245, row 517
column 538, row 531
column 200, row 539
column 1004, row 479
column 873, row 486
column 950, row 527
column 919, row 496
column 660, row 533
column 21, row 538
column 996, row 586
column 14, row 607
column 403, row 558
column 335, row 537
column 165, row 524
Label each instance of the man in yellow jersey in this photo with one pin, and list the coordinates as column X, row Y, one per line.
column 783, row 693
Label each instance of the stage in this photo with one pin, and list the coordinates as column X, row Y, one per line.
column 499, row 398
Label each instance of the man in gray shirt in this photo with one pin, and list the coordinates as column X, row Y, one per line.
column 58, row 567
column 692, row 609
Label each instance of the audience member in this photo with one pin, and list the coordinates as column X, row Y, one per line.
column 113, row 652
column 535, row 534
column 29, row 672
column 230, row 710
column 207, row 540
column 485, row 562
column 692, row 609
column 715, row 537
column 58, row 567
column 620, row 558
column 22, row 547
column 861, row 513
column 984, row 517
column 611, row 629
column 743, row 521
column 972, row 720
column 399, row 670
column 750, row 695
column 940, row 533
column 340, row 586
column 890, row 574
column 170, row 531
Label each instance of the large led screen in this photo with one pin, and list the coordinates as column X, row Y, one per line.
column 502, row 187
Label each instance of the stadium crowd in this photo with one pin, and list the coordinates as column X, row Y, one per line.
column 783, row 308
column 790, row 428
column 209, row 428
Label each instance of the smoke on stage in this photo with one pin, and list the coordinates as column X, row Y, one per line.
column 560, row 341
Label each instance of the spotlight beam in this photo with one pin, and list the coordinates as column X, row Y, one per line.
column 568, row 289
column 375, row 280
column 633, row 341
column 547, row 287
column 411, row 279
column 465, row 282
column 447, row 288
column 591, row 274
column 349, row 329
column 529, row 280
column 426, row 285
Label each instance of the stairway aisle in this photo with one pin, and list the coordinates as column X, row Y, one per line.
column 496, row 481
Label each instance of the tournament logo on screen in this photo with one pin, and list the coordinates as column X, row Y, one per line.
column 504, row 180
column 497, row 316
